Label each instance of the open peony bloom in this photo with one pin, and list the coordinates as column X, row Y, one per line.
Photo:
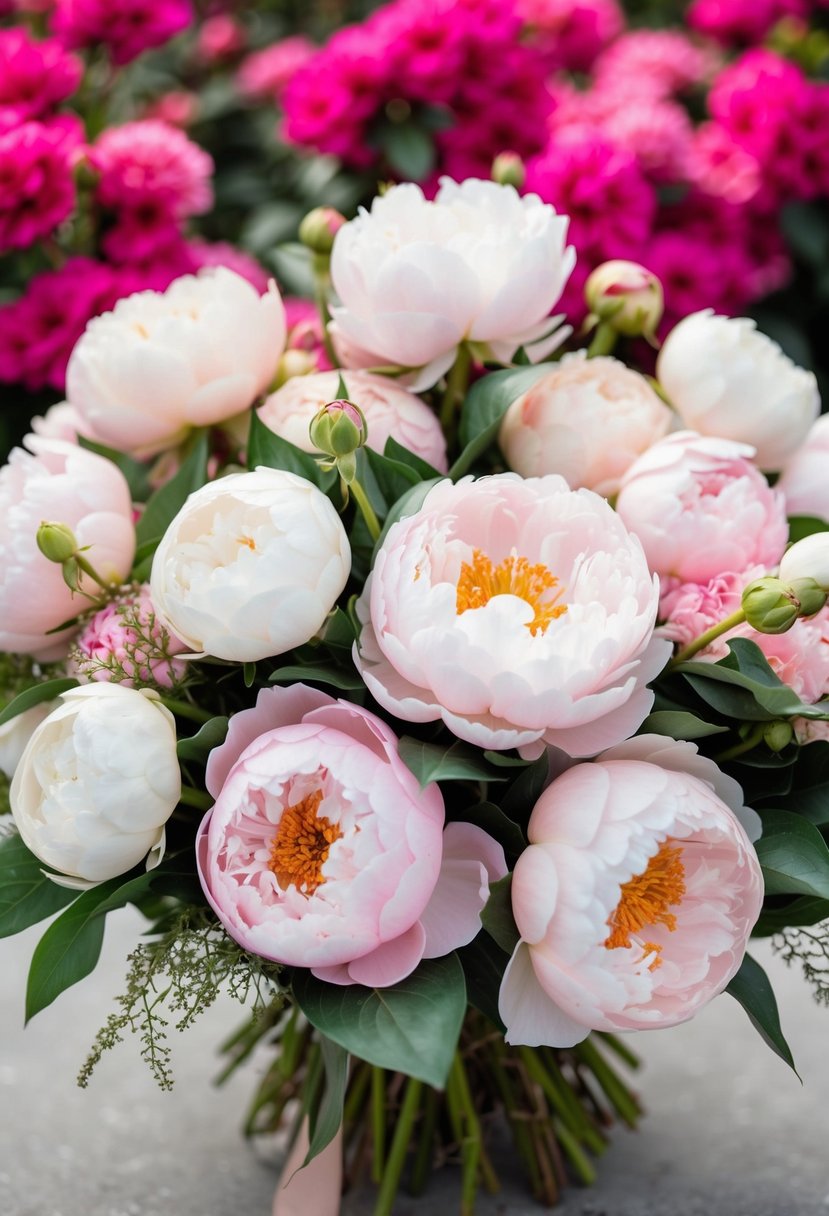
column 700, row 507
column 163, row 362
column 322, row 851
column 635, row 898
column 803, row 481
column 64, row 483
column 97, row 782
column 518, row 611
column 724, row 378
column 251, row 566
column 587, row 419
column 416, row 277
column 389, row 411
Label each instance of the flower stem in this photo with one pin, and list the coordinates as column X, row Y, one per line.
column 378, row 1122
column 367, row 510
column 321, row 282
column 89, row 569
column 705, row 639
column 456, row 385
column 603, row 341
column 197, row 798
column 751, row 740
column 183, row 709
column 399, row 1146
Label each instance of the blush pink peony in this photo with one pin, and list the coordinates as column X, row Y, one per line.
column 322, row 851
column 635, row 898
column 125, row 643
column 700, row 507
column 805, row 477
column 390, row 411
column 518, row 611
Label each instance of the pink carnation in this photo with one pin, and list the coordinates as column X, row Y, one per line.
column 666, row 59
column 690, row 609
column 124, row 642
column 125, row 27
column 37, row 189
column 143, row 234
column 571, row 33
column 719, row 166
column 34, row 76
column 322, row 851
column 742, row 21
column 264, row 75
column 150, row 162
column 219, row 37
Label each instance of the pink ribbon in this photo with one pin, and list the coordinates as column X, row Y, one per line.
column 316, row 1189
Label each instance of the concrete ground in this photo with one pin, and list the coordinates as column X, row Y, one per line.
column 730, row 1131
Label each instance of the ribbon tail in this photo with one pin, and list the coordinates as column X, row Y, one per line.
column 317, row 1187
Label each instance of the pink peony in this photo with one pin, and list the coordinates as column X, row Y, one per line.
column 37, row 190
column 126, row 643
column 804, row 480
column 34, row 76
column 151, row 162
column 389, row 410
column 518, row 611
column 305, row 332
column 264, row 75
column 125, row 27
column 322, row 851
column 62, row 483
column 635, row 898
column 700, row 507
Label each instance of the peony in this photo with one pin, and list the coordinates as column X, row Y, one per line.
column 803, row 481
column 635, row 897
column 416, row 278
column 389, row 411
column 322, row 851
column 161, row 363
column 587, row 419
column 16, row 733
column 519, row 612
column 724, row 378
column 251, row 565
column 700, row 507
column 63, row 483
column 807, row 558
column 125, row 642
column 97, row 782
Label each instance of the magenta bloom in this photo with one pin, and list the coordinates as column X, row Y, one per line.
column 125, row 27
column 264, row 75
column 150, row 162
column 571, row 33
column 666, row 61
column 37, row 190
column 126, row 643
column 743, row 22
column 34, row 76
column 221, row 253
column 322, row 851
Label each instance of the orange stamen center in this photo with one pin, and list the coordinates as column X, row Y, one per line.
column 646, row 899
column 301, row 845
column 479, row 581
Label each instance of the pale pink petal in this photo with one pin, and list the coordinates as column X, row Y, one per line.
column 529, row 1015
column 391, row 962
column 471, row 860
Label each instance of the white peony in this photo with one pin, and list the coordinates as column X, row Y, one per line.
column 251, row 565
column 805, row 479
column 161, row 363
column 415, row 277
column 726, row 379
column 16, row 733
column 97, row 782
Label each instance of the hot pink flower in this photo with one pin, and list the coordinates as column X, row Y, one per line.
column 34, row 76
column 126, row 643
column 635, row 898
column 572, row 33
column 125, row 27
column 151, row 162
column 375, row 885
column 667, row 60
column 742, row 21
column 305, row 331
column 718, row 165
column 37, row 191
column 219, row 37
column 264, row 75
column 178, row 108
column 700, row 507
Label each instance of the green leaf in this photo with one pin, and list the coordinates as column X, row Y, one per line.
column 339, row 632
column 497, row 917
column 273, row 452
column 526, row 789
column 805, row 525
column 393, row 477
column 26, row 894
column 493, row 820
column 794, row 856
column 49, row 690
column 794, row 913
column 165, row 504
column 412, row 1027
column 326, row 1120
column 409, row 150
column 751, row 987
column 396, row 452
column 754, row 692
column 349, row 681
column 679, row 724
column 486, row 403
column 136, row 473
column 809, row 796
column 199, row 746
column 437, row 762
column 483, row 965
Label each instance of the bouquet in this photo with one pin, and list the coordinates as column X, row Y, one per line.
column 459, row 709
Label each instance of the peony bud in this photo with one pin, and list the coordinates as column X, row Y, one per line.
column 339, row 428
column 294, row 363
column 319, row 227
column 508, row 170
column 56, row 541
column 627, row 296
column 778, row 735
column 807, row 559
column 769, row 605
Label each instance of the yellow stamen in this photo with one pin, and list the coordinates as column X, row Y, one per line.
column 301, row 845
column 248, row 541
column 479, row 581
column 646, row 899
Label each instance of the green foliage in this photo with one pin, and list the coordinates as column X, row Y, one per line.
column 167, row 501
column 273, row 452
column 441, row 762
column 27, row 896
column 486, row 403
column 198, row 747
column 808, row 946
column 751, row 987
column 497, row 918
column 794, row 856
column 36, row 695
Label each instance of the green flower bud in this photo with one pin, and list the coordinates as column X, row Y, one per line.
column 319, row 227
column 778, row 735
column 627, row 296
column 56, row 541
column 769, row 605
column 338, row 429
column 508, row 170
column 809, row 594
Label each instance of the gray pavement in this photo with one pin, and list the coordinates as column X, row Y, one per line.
column 730, row 1131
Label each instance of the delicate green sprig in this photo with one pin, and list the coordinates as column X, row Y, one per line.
column 809, row 946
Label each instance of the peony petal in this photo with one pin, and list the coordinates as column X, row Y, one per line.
column 529, row 1015
column 471, row 860
column 392, row 961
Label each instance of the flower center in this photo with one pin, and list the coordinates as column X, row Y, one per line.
column 301, row 845
column 646, row 899
column 479, row 581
